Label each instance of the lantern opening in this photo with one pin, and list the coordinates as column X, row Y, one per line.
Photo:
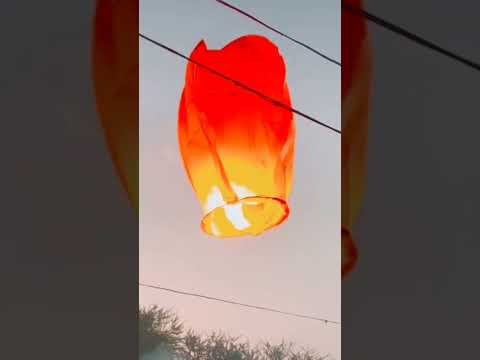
column 247, row 216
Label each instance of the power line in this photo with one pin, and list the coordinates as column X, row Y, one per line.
column 371, row 17
column 239, row 84
column 402, row 32
column 326, row 321
column 257, row 20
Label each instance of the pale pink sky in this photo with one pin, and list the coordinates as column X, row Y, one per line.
column 295, row 267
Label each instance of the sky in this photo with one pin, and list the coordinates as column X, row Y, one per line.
column 296, row 266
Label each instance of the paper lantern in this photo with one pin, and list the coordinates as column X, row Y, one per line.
column 238, row 148
column 115, row 75
column 356, row 77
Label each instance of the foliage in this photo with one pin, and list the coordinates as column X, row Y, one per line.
column 158, row 327
column 162, row 336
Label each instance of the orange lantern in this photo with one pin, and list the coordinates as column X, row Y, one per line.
column 115, row 74
column 238, row 148
column 356, row 78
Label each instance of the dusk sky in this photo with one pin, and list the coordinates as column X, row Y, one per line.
column 296, row 266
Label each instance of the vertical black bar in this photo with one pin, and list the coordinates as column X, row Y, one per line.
column 69, row 237
column 413, row 293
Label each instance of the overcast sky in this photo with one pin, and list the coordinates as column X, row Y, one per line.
column 295, row 267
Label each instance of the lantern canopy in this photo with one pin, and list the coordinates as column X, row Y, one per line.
column 115, row 77
column 356, row 78
column 238, row 148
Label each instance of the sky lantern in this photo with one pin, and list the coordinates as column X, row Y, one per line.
column 115, row 77
column 238, row 148
column 356, row 77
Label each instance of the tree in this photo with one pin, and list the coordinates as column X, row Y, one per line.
column 287, row 351
column 163, row 337
column 158, row 327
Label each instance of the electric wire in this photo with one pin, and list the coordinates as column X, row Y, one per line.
column 409, row 35
column 263, row 308
column 258, row 21
column 239, row 84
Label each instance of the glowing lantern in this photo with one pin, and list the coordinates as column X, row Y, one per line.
column 238, row 148
column 115, row 70
column 356, row 76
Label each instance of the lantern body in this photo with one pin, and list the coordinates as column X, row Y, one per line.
column 115, row 75
column 238, row 148
column 356, row 77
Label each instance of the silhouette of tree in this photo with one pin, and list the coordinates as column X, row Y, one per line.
column 158, row 327
column 161, row 332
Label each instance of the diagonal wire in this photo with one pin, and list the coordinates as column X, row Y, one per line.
column 409, row 35
column 326, row 321
column 239, row 84
column 258, row 21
